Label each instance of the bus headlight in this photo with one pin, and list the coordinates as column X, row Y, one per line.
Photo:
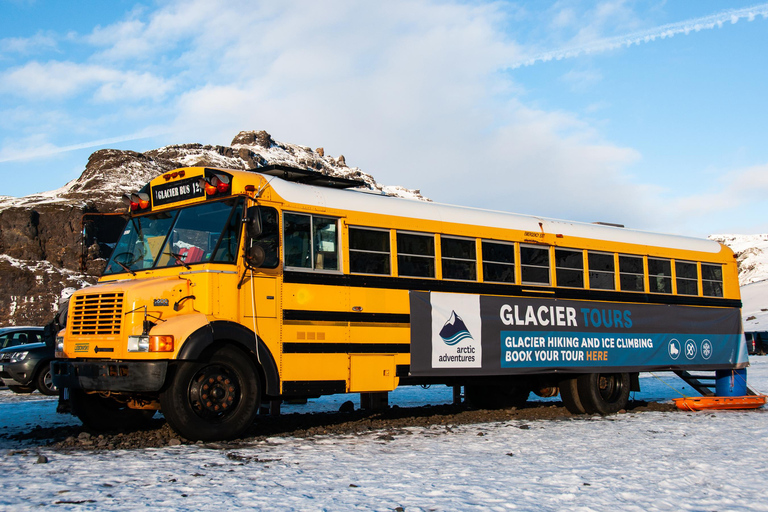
column 138, row 343
column 59, row 344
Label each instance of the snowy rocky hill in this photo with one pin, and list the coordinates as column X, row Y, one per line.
column 752, row 255
column 41, row 254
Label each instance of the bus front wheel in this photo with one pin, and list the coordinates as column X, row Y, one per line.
column 603, row 393
column 213, row 399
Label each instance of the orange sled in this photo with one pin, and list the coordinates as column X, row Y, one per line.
column 704, row 403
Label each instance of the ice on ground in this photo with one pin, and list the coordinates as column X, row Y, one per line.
column 636, row 461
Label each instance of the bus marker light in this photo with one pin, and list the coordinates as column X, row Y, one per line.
column 161, row 343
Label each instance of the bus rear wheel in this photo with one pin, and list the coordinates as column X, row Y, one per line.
column 603, row 393
column 569, row 394
column 213, row 399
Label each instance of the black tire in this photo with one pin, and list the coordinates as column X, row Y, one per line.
column 569, row 394
column 495, row 396
column 101, row 413
column 604, row 393
column 214, row 399
column 44, row 381
column 21, row 389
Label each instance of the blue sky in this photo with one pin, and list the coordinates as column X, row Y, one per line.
column 650, row 114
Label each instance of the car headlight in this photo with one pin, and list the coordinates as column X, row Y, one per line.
column 18, row 356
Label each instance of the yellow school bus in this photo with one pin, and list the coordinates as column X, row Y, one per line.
column 229, row 289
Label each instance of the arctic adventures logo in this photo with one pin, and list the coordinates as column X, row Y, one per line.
column 453, row 343
column 454, row 330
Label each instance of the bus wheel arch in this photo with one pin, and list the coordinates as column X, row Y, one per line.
column 209, row 338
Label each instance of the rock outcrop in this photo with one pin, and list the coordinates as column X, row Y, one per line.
column 42, row 254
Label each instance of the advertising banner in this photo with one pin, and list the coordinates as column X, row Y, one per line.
column 461, row 334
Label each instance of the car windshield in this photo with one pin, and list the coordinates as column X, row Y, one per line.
column 203, row 233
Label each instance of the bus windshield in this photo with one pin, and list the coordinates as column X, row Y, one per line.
column 202, row 233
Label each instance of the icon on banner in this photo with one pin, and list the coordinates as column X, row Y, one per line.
column 674, row 348
column 706, row 349
column 454, row 330
column 690, row 349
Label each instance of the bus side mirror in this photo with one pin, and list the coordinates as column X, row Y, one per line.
column 253, row 222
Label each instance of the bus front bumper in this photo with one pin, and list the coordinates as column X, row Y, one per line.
column 130, row 376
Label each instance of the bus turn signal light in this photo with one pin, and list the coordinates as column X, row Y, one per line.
column 161, row 343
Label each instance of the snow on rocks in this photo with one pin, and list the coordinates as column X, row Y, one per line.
column 751, row 253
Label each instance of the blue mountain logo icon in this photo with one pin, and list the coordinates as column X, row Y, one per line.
column 454, row 330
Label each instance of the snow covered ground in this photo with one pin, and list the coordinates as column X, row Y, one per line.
column 635, row 461
column 755, row 306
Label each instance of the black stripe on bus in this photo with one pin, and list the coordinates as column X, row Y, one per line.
column 313, row 387
column 345, row 316
column 346, row 348
column 435, row 285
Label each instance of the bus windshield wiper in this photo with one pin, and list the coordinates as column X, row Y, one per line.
column 179, row 259
column 125, row 267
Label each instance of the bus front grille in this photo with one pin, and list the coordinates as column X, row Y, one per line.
column 96, row 314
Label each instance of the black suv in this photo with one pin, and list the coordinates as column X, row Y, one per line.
column 25, row 363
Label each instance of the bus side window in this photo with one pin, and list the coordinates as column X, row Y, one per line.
column 311, row 241
column 687, row 276
column 415, row 255
column 459, row 260
column 369, row 251
column 659, row 275
column 631, row 274
column 712, row 280
column 498, row 262
column 534, row 264
column 569, row 268
column 326, row 243
column 601, row 271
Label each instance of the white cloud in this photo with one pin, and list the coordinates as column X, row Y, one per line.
column 54, row 80
column 27, row 45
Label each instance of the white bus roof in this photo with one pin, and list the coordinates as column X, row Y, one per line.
column 363, row 201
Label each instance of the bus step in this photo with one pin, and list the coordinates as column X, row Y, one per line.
column 704, row 384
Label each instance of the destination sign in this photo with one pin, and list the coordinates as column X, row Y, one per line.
column 176, row 191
